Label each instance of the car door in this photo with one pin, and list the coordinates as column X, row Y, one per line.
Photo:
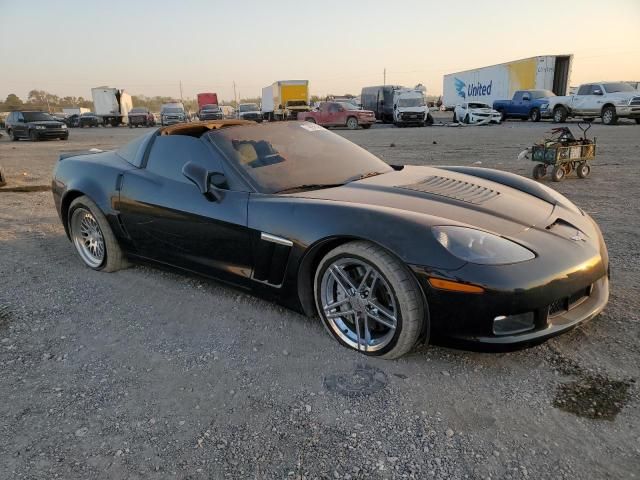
column 524, row 104
column 20, row 128
column 517, row 106
column 169, row 220
column 581, row 100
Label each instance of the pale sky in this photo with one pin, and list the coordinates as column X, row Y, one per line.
column 147, row 47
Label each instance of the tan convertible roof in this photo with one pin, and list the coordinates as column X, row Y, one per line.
column 198, row 128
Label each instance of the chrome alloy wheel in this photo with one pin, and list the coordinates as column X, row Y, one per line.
column 359, row 304
column 87, row 237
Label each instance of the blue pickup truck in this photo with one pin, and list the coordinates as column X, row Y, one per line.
column 524, row 105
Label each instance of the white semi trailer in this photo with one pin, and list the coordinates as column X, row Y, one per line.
column 112, row 105
column 497, row 82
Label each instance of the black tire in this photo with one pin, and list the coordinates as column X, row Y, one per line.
column 114, row 259
column 412, row 320
column 455, row 118
column 366, row 127
column 534, row 115
column 12, row 136
column 560, row 115
column 466, row 119
column 66, row 137
column 539, row 171
column 503, row 116
column 609, row 115
column 33, row 136
column 638, row 121
column 130, row 125
column 558, row 173
column 429, row 120
column 352, row 123
column 583, row 170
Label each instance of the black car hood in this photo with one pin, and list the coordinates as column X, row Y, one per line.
column 455, row 197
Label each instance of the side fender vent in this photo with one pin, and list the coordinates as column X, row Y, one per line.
column 452, row 188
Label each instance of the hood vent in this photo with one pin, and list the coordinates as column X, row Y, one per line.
column 451, row 188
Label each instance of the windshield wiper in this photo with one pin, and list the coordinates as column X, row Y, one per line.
column 363, row 176
column 311, row 186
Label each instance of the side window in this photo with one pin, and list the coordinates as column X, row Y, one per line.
column 171, row 152
column 10, row 117
column 584, row 90
column 517, row 96
column 19, row 117
column 333, row 108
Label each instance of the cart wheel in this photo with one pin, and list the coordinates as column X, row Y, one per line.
column 568, row 167
column 583, row 170
column 539, row 171
column 557, row 174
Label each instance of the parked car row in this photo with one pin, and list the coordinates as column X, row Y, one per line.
column 609, row 101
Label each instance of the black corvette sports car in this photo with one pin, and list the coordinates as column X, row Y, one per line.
column 387, row 256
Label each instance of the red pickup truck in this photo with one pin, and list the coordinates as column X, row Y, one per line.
column 339, row 114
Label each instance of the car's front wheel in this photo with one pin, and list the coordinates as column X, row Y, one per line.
column 609, row 116
column 352, row 123
column 369, row 301
column 93, row 238
column 12, row 136
column 534, row 115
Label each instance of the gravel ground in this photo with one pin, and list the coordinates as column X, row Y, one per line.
column 146, row 373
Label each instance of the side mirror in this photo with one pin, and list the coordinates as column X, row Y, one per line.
column 209, row 183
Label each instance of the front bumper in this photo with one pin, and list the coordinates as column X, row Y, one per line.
column 255, row 117
column 628, row 111
column 556, row 294
column 492, row 118
column 52, row 133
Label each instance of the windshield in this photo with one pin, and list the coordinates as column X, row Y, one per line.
column 411, row 102
column 281, row 156
column 348, row 106
column 36, row 116
column 211, row 107
column 541, row 94
column 249, row 107
column 618, row 87
column 172, row 110
column 478, row 105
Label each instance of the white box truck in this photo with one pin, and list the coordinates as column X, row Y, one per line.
column 285, row 99
column 546, row 72
column 112, row 105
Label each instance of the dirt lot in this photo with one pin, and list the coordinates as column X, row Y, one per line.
column 152, row 374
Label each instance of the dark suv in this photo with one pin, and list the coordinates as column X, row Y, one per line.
column 35, row 126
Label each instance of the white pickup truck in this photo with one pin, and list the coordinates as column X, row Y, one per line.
column 607, row 100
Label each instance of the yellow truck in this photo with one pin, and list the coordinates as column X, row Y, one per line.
column 285, row 99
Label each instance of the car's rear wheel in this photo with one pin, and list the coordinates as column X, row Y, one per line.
column 93, row 238
column 366, row 126
column 369, row 301
column 352, row 123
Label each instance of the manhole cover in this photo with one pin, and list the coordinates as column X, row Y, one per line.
column 364, row 380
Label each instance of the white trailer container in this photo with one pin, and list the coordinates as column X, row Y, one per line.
column 499, row 82
column 112, row 105
column 267, row 102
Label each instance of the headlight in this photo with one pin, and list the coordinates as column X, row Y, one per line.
column 63, row 126
column 544, row 106
column 480, row 247
column 621, row 102
column 40, row 127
